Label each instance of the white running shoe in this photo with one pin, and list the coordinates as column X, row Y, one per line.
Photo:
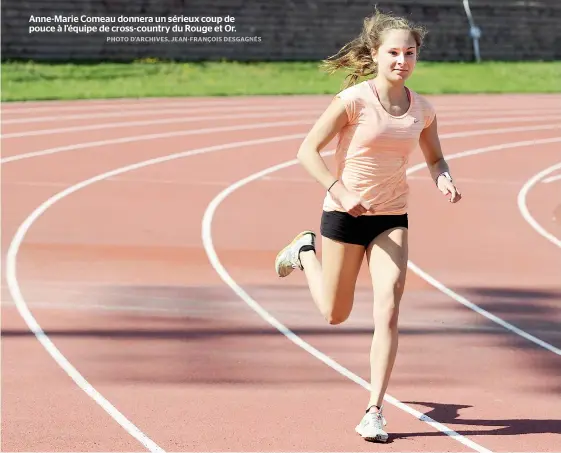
column 288, row 258
column 371, row 427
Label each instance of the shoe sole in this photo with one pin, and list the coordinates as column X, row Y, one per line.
column 377, row 438
column 298, row 236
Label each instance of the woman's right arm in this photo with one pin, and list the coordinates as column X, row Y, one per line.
column 333, row 119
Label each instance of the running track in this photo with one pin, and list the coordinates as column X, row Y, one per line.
column 141, row 312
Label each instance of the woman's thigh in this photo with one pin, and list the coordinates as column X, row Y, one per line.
column 341, row 264
column 387, row 257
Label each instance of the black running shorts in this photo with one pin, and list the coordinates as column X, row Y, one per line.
column 362, row 230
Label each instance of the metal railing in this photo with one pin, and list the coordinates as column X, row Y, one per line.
column 474, row 31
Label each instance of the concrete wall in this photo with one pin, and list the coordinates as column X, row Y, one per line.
column 281, row 29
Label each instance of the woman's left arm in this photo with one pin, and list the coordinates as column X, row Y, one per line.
column 430, row 145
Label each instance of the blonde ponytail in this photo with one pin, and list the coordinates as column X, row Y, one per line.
column 356, row 56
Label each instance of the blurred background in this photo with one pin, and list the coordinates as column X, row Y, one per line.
column 258, row 39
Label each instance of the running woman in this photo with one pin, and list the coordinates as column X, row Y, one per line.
column 379, row 123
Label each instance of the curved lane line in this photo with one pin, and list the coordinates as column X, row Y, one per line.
column 33, row 325
column 137, row 138
column 13, row 285
column 524, row 208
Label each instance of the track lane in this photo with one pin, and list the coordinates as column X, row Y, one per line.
column 487, row 420
column 165, row 252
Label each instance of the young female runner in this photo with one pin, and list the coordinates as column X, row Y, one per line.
column 379, row 122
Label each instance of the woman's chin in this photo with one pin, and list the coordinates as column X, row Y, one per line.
column 401, row 75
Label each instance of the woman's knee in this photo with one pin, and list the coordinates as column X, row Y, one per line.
column 336, row 318
column 386, row 306
column 338, row 310
column 387, row 316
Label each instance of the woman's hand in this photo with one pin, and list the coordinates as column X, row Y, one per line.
column 447, row 187
column 350, row 201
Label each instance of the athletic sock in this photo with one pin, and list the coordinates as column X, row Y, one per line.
column 307, row 248
column 368, row 410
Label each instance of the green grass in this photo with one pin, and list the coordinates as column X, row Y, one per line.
column 152, row 78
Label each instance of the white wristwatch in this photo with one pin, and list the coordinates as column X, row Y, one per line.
column 445, row 174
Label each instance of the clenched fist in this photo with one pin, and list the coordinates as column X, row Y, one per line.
column 353, row 203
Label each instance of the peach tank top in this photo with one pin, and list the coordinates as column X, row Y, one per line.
column 373, row 149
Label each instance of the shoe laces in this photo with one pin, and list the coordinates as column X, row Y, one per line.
column 376, row 419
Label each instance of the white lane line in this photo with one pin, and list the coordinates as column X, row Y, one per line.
column 17, row 296
column 551, row 179
column 223, row 273
column 465, row 119
column 180, row 103
column 193, row 118
column 135, row 138
column 23, row 308
column 462, row 299
column 273, row 179
column 143, row 181
column 522, row 119
column 98, row 104
column 150, row 112
column 33, row 325
column 503, row 130
column 138, row 138
column 458, row 179
column 524, row 208
column 187, row 119
column 18, row 107
column 463, row 180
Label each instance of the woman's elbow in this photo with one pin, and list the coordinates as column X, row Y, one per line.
column 301, row 154
column 305, row 150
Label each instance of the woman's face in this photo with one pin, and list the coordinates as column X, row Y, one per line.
column 397, row 55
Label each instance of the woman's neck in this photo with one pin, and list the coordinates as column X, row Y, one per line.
column 391, row 91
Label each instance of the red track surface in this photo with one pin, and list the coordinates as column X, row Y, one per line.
column 117, row 277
